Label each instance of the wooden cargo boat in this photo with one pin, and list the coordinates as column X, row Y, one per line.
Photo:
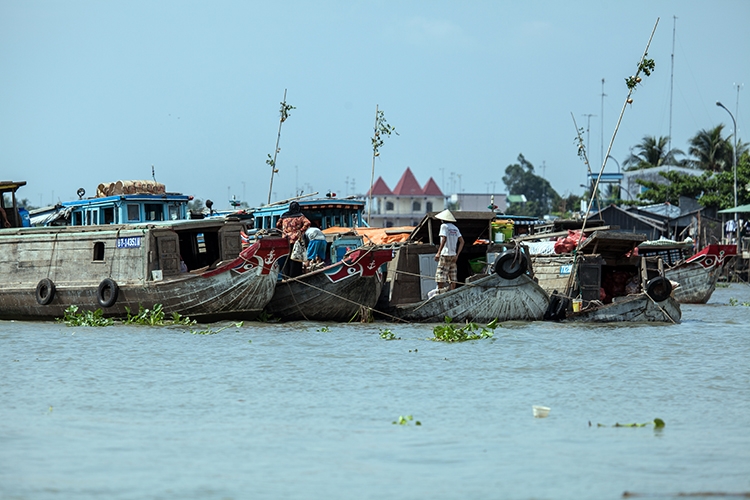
column 610, row 281
column 501, row 287
column 338, row 292
column 697, row 274
column 194, row 268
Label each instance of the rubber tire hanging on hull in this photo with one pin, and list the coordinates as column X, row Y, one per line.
column 659, row 288
column 45, row 292
column 106, row 294
column 510, row 265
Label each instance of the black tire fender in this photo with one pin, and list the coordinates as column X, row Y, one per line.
column 107, row 292
column 659, row 288
column 510, row 265
column 45, row 292
column 551, row 312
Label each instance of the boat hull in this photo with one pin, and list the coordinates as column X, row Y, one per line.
column 637, row 308
column 237, row 288
column 699, row 274
column 481, row 301
column 339, row 292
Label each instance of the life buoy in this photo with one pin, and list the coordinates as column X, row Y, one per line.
column 510, row 265
column 106, row 294
column 45, row 292
column 659, row 288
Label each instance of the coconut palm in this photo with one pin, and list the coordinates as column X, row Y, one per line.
column 710, row 150
column 651, row 153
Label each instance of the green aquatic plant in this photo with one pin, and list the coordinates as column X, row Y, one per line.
column 404, row 420
column 155, row 317
column 323, row 329
column 73, row 317
column 657, row 423
column 264, row 317
column 733, row 301
column 210, row 331
column 387, row 334
column 449, row 332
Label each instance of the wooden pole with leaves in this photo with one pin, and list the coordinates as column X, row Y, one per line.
column 645, row 66
column 285, row 109
column 382, row 128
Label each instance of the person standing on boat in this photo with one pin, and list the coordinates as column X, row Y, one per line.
column 293, row 225
column 316, row 245
column 451, row 244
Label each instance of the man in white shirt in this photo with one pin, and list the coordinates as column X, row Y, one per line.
column 451, row 244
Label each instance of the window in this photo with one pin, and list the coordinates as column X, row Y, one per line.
column 389, row 224
column 108, row 215
column 77, row 219
column 92, row 217
column 134, row 213
column 428, row 206
column 174, row 212
column 416, row 206
column 154, row 212
column 99, row 251
column 389, row 206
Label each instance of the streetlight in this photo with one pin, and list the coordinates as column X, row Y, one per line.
column 734, row 168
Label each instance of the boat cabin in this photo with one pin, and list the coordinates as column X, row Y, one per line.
column 322, row 213
column 411, row 274
column 133, row 202
column 11, row 215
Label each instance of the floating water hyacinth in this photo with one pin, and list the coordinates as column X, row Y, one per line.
column 657, row 423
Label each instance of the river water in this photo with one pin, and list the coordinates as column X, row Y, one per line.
column 306, row 410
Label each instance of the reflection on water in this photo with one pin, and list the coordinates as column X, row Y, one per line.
column 290, row 411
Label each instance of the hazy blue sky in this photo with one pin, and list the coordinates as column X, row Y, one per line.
column 99, row 91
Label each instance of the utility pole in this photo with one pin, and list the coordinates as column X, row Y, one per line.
column 602, row 133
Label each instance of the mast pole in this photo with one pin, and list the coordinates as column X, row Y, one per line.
column 276, row 151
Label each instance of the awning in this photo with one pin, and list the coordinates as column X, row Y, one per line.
column 740, row 209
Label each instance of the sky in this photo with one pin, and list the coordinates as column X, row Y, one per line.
column 98, row 91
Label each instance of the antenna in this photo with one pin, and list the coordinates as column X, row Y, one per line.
column 671, row 90
column 602, row 121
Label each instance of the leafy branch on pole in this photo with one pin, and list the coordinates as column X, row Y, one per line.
column 382, row 129
column 271, row 161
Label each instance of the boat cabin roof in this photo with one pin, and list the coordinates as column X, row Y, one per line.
column 324, row 213
column 611, row 243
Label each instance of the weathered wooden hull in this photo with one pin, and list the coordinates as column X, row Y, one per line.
column 698, row 275
column 632, row 308
column 236, row 289
column 697, row 283
column 336, row 293
column 482, row 301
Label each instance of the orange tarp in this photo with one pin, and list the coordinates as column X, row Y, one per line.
column 375, row 235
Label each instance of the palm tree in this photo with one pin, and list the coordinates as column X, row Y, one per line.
column 710, row 151
column 651, row 153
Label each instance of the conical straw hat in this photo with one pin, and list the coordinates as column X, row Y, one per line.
column 446, row 215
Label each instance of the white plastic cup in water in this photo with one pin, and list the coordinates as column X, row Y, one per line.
column 540, row 411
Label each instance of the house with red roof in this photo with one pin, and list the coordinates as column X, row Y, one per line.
column 406, row 204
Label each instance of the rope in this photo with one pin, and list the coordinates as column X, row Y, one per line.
column 298, row 280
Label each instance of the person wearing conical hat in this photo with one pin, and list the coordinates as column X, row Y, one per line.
column 451, row 244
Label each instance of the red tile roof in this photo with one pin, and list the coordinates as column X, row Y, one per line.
column 431, row 188
column 407, row 185
column 380, row 188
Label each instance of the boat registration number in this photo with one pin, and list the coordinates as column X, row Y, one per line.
column 134, row 242
column 566, row 269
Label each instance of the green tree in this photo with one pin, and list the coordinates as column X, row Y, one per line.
column 541, row 199
column 652, row 152
column 711, row 189
column 710, row 151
